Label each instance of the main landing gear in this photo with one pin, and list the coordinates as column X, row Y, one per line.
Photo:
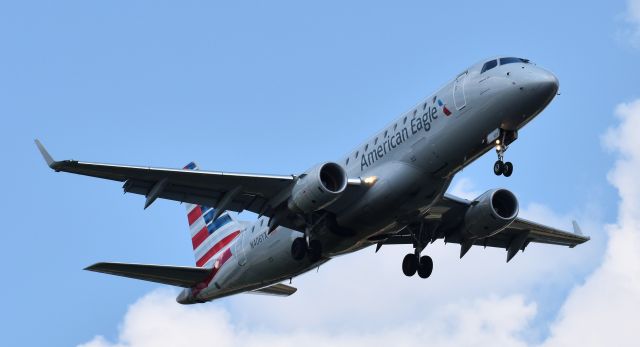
column 500, row 167
column 413, row 263
column 305, row 246
column 300, row 249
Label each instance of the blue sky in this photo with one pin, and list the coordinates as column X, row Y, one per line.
column 274, row 87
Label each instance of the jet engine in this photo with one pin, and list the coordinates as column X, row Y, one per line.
column 318, row 188
column 490, row 213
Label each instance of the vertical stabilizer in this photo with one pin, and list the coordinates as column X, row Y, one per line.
column 210, row 237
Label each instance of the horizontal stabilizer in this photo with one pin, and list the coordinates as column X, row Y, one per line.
column 181, row 276
column 276, row 289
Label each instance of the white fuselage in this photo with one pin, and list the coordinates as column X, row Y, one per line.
column 413, row 160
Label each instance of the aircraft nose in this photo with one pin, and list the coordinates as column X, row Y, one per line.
column 540, row 85
column 547, row 82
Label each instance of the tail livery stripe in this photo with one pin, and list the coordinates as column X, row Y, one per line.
column 226, row 255
column 213, row 239
column 208, row 236
column 205, row 230
column 194, row 215
column 217, row 247
column 199, row 237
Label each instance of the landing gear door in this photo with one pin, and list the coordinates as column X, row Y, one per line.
column 459, row 98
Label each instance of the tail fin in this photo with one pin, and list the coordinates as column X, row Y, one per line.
column 209, row 237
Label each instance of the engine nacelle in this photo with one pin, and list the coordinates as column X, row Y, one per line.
column 318, row 188
column 490, row 213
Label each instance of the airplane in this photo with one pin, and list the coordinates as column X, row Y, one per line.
column 390, row 190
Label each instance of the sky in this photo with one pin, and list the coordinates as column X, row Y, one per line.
column 276, row 87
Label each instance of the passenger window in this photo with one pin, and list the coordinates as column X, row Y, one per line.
column 386, row 132
column 489, row 65
column 395, row 126
column 366, row 148
column 347, row 163
column 375, row 142
column 357, row 152
column 404, row 121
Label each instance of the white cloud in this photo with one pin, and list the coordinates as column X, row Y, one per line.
column 472, row 303
column 463, row 187
column 156, row 320
column 604, row 311
column 632, row 18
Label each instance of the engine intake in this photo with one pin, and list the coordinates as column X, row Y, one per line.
column 490, row 213
column 318, row 188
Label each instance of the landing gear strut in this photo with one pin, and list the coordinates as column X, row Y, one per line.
column 413, row 263
column 500, row 167
column 302, row 246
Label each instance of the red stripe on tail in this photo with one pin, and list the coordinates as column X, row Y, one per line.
column 217, row 247
column 199, row 237
column 194, row 214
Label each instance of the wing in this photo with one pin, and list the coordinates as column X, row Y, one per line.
column 181, row 276
column 223, row 190
column 444, row 216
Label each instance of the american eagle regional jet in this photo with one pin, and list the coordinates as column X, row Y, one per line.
column 390, row 190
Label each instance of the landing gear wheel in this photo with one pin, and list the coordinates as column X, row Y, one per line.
column 314, row 251
column 410, row 264
column 299, row 248
column 507, row 169
column 498, row 167
column 425, row 267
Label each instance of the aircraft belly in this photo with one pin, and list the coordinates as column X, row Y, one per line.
column 268, row 261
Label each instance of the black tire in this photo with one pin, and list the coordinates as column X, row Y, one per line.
column 507, row 170
column 498, row 167
column 409, row 264
column 315, row 251
column 298, row 248
column 426, row 267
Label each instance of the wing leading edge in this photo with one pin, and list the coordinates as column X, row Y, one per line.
column 181, row 276
column 258, row 193
column 238, row 191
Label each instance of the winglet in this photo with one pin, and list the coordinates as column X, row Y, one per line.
column 47, row 157
column 576, row 228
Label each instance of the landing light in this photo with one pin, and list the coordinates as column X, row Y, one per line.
column 497, row 141
column 370, row 180
column 498, row 147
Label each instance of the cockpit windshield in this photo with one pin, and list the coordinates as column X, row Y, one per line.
column 489, row 65
column 503, row 61
column 511, row 60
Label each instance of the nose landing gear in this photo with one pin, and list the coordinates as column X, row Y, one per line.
column 502, row 143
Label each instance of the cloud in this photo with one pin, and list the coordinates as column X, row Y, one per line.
column 604, row 311
column 477, row 301
column 632, row 18
column 464, row 188
column 156, row 320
